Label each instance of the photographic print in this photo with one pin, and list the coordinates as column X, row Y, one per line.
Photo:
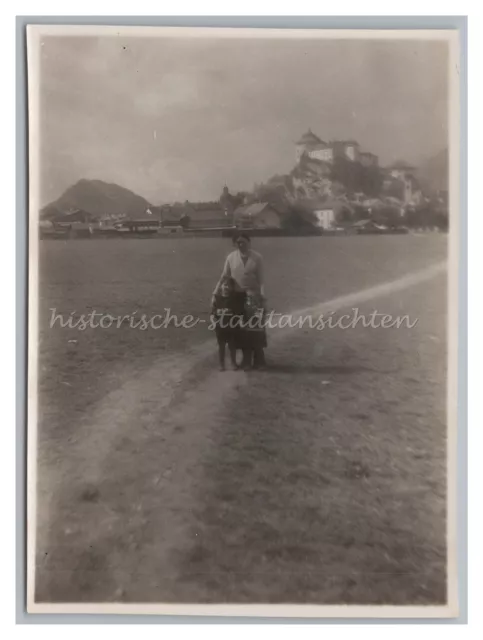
column 242, row 321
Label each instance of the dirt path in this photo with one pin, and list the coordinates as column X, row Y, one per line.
column 118, row 510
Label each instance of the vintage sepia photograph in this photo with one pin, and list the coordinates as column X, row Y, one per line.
column 242, row 321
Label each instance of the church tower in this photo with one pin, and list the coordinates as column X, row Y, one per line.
column 226, row 200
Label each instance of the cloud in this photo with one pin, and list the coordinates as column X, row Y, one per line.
column 228, row 110
column 171, row 90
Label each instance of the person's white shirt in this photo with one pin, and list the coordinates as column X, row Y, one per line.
column 246, row 271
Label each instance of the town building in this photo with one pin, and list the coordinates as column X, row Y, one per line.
column 331, row 212
column 138, row 225
column 76, row 216
column 326, row 213
column 325, row 218
column 205, row 215
column 260, row 215
column 195, row 215
column 401, row 182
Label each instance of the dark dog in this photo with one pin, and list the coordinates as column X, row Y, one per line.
column 227, row 314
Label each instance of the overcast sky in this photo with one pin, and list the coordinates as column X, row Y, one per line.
column 175, row 119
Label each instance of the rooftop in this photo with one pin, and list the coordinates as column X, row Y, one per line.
column 252, row 209
column 309, row 138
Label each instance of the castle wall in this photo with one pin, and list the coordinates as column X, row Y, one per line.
column 326, row 155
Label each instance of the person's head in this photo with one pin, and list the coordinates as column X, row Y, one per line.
column 227, row 286
column 242, row 242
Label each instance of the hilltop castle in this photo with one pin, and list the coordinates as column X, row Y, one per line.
column 313, row 147
column 399, row 178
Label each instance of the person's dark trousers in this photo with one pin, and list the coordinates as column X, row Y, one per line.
column 247, row 359
column 258, row 358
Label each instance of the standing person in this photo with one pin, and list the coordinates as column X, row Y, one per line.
column 245, row 266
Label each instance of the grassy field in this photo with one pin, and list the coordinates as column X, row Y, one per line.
column 321, row 480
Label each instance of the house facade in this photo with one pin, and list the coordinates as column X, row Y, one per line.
column 327, row 214
column 325, row 218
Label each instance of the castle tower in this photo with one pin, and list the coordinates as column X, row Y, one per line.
column 306, row 142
